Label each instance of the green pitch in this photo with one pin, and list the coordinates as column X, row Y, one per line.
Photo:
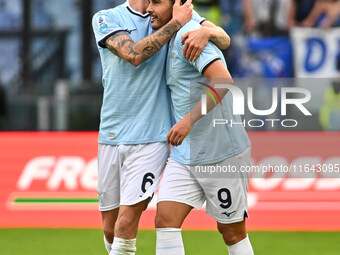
column 90, row 242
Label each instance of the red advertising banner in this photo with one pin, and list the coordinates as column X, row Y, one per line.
column 49, row 180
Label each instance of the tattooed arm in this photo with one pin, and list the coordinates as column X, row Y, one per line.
column 196, row 40
column 217, row 35
column 124, row 47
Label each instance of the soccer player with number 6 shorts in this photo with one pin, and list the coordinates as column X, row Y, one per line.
column 198, row 145
column 136, row 112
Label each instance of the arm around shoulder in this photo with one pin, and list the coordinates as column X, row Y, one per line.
column 197, row 40
column 136, row 53
column 217, row 35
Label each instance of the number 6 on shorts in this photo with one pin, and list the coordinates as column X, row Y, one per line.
column 148, row 178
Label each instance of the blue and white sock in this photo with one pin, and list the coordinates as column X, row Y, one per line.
column 108, row 245
column 241, row 248
column 123, row 246
column 169, row 241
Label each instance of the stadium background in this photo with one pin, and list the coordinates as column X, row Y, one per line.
column 50, row 85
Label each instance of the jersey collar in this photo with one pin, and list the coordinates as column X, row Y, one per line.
column 136, row 12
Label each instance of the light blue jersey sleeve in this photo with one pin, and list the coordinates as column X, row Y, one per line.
column 205, row 144
column 104, row 25
column 196, row 17
column 209, row 55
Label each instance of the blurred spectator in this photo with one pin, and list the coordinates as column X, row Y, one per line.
column 232, row 16
column 299, row 11
column 209, row 9
column 324, row 14
column 266, row 17
column 249, row 22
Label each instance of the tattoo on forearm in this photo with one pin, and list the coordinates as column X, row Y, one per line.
column 112, row 49
column 151, row 50
column 221, row 41
column 169, row 29
column 116, row 41
column 143, row 49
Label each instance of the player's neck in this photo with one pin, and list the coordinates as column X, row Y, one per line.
column 139, row 5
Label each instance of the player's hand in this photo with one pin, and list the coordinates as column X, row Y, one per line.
column 333, row 13
column 178, row 132
column 330, row 9
column 319, row 8
column 195, row 42
column 249, row 24
column 182, row 13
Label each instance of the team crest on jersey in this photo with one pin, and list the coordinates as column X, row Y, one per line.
column 173, row 56
column 102, row 25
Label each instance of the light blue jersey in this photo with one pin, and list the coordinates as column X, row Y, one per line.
column 205, row 144
column 136, row 104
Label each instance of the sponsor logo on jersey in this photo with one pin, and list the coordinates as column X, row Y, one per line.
column 129, row 31
column 102, row 25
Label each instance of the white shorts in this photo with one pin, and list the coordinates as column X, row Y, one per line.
column 226, row 198
column 129, row 174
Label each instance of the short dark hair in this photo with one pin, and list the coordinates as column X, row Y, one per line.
column 173, row 1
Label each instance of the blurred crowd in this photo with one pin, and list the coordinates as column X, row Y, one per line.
column 254, row 18
column 262, row 44
column 269, row 17
column 261, row 17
